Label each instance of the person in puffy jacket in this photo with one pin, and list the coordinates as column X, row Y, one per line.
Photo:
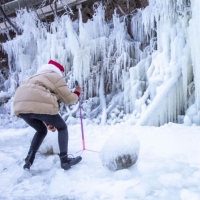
column 36, row 102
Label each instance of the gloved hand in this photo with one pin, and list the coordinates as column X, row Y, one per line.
column 78, row 89
column 51, row 128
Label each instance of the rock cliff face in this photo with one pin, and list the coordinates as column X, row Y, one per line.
column 123, row 7
column 3, row 56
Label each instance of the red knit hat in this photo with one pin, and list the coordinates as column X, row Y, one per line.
column 59, row 66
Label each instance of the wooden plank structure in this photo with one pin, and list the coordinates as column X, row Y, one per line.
column 42, row 8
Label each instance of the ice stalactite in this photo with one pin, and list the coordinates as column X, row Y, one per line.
column 37, row 45
column 86, row 47
column 159, row 90
column 193, row 112
column 194, row 32
column 144, row 74
column 166, row 106
column 80, row 48
column 21, row 49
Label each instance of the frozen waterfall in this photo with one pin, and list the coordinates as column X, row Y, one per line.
column 146, row 77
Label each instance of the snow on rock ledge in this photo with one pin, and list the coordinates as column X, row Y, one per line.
column 120, row 151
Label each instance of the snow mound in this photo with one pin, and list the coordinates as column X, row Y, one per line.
column 120, row 151
column 139, row 191
column 50, row 143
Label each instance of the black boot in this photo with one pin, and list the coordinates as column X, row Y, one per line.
column 67, row 162
column 29, row 159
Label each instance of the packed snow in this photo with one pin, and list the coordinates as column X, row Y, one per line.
column 168, row 165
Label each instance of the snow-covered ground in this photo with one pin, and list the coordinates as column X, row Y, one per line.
column 168, row 167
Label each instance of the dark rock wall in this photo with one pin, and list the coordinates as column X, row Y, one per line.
column 124, row 7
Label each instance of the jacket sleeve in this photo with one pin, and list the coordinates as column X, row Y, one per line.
column 64, row 94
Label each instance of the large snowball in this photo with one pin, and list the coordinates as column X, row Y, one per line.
column 120, row 151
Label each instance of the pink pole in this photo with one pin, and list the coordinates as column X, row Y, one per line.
column 82, row 131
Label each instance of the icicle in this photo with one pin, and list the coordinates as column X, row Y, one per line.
column 146, row 69
column 194, row 41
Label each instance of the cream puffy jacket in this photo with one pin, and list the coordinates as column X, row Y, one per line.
column 40, row 94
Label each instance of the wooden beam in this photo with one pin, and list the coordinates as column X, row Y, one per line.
column 12, row 7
